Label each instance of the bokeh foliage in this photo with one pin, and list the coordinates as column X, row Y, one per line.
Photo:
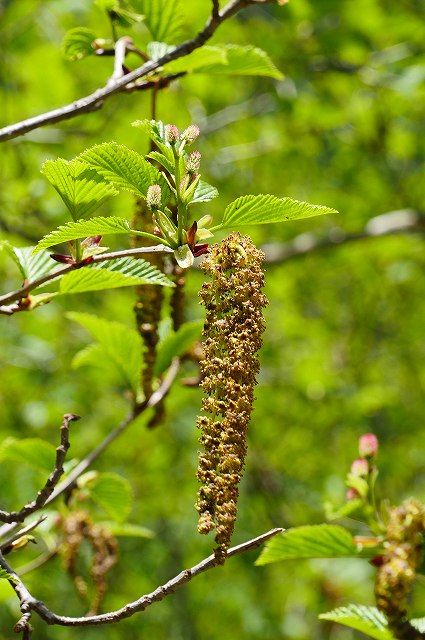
column 344, row 351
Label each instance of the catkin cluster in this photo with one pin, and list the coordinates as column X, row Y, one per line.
column 402, row 559
column 232, row 336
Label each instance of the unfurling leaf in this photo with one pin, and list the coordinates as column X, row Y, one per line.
column 78, row 43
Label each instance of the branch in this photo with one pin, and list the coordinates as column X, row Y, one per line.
column 392, row 223
column 52, row 481
column 70, row 480
column 30, row 286
column 95, row 100
column 155, row 398
column 29, row 603
column 30, row 527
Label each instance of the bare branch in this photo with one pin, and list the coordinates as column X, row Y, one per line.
column 95, row 100
column 30, row 286
column 53, row 479
column 29, row 603
column 392, row 223
column 155, row 398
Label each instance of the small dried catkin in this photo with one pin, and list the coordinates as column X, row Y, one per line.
column 232, row 336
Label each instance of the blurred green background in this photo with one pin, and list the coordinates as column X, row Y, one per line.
column 343, row 351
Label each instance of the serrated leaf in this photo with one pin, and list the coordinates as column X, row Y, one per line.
column 312, row 541
column 116, row 342
column 98, row 226
column 265, row 209
column 138, row 268
column 34, row 452
column 162, row 17
column 81, row 187
column 206, row 56
column 128, row 530
column 368, row 620
column 77, row 43
column 204, row 192
column 176, row 343
column 243, row 61
column 125, row 168
column 111, row 275
column 113, row 493
column 30, row 266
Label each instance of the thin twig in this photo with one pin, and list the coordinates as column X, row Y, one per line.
column 155, row 398
column 30, row 286
column 392, row 223
column 21, row 532
column 95, row 100
column 29, row 603
column 52, row 480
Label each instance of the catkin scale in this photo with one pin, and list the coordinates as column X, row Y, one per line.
column 232, row 336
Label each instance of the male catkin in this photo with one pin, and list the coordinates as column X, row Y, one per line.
column 232, row 336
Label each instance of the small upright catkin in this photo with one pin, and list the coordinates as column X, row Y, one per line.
column 232, row 336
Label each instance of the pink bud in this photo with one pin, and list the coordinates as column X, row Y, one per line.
column 368, row 445
column 190, row 134
column 171, row 133
column 360, row 467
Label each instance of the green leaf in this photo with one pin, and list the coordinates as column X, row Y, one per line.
column 81, row 188
column 30, row 266
column 125, row 168
column 113, row 493
column 242, row 60
column 204, row 192
column 77, row 43
column 206, row 56
column 34, row 452
column 117, row 343
column 125, row 272
column 92, row 354
column 312, row 541
column 128, row 530
column 365, row 619
column 165, row 161
column 265, row 209
column 163, row 18
column 176, row 343
column 4, row 575
column 98, row 226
